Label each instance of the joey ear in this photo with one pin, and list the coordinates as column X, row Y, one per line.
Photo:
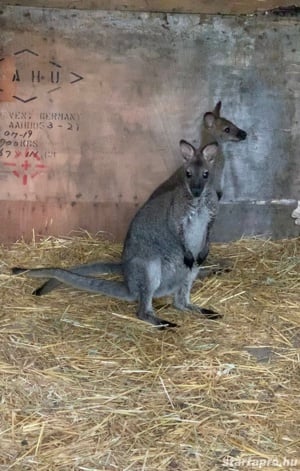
column 187, row 150
column 209, row 152
column 209, row 119
column 217, row 109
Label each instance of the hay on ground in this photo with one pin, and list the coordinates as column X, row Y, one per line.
column 87, row 386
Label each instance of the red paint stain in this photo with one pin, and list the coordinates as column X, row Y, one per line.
column 26, row 165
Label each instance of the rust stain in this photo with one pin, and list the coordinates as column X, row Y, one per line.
column 7, row 86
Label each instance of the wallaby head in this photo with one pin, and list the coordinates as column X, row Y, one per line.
column 221, row 129
column 197, row 165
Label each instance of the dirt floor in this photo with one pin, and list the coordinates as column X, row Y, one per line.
column 86, row 386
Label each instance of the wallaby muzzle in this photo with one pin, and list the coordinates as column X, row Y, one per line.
column 196, row 192
column 241, row 134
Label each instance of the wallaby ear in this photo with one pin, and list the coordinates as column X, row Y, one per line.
column 209, row 152
column 187, row 150
column 217, row 109
column 209, row 119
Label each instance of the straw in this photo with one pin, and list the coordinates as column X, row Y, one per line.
column 86, row 386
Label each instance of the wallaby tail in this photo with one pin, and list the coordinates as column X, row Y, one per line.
column 116, row 289
column 93, row 268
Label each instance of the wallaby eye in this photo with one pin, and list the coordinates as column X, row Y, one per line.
column 205, row 174
column 188, row 173
column 227, row 130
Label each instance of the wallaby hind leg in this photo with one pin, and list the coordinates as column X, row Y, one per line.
column 146, row 313
column 93, row 268
column 183, row 303
column 145, row 282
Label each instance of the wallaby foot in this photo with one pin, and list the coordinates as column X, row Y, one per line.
column 150, row 317
column 209, row 313
column 146, row 282
column 46, row 287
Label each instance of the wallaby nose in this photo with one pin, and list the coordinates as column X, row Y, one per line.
column 241, row 134
column 196, row 192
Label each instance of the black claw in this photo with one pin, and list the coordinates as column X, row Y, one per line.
column 172, row 324
column 210, row 314
column 17, row 270
column 37, row 292
column 166, row 324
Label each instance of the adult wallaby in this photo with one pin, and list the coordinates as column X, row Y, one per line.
column 214, row 128
column 164, row 244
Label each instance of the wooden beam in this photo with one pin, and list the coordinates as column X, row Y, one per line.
column 167, row 6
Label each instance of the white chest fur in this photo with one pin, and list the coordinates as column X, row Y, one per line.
column 195, row 229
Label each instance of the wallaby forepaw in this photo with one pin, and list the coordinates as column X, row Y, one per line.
column 189, row 259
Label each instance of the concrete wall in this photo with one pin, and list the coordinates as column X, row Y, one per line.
column 108, row 95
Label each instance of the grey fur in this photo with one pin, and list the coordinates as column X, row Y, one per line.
column 212, row 130
column 165, row 240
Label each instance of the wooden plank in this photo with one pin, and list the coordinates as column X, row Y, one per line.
column 25, row 219
column 171, row 6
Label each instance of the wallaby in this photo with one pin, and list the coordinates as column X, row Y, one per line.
column 221, row 130
column 214, row 128
column 165, row 243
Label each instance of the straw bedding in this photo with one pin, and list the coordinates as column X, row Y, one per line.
column 87, row 386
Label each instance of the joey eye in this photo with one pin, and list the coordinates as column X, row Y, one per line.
column 227, row 130
column 188, row 173
column 205, row 174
